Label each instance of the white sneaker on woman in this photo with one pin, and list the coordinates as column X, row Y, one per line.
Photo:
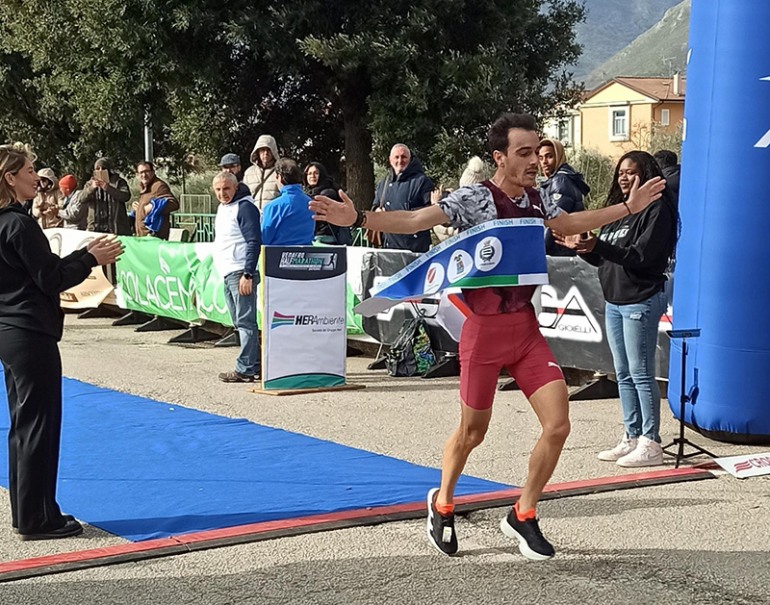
column 625, row 446
column 647, row 453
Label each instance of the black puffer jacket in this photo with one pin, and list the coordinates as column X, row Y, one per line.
column 340, row 236
column 409, row 190
column 566, row 189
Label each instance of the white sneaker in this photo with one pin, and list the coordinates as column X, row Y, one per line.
column 625, row 446
column 647, row 453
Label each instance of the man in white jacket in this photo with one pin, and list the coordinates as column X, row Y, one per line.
column 260, row 177
column 237, row 240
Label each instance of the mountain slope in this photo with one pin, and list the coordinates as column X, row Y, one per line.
column 660, row 51
column 611, row 25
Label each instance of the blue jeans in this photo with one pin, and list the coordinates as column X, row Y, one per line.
column 632, row 333
column 243, row 312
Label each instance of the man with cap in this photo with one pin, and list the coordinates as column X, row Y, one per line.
column 232, row 163
column 106, row 196
column 563, row 186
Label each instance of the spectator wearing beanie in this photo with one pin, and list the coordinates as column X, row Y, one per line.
column 71, row 210
column 475, row 172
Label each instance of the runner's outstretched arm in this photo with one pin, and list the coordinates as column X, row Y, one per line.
column 588, row 220
column 344, row 214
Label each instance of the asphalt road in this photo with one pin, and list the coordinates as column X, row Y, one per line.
column 703, row 542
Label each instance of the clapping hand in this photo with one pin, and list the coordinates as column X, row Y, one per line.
column 582, row 243
column 105, row 249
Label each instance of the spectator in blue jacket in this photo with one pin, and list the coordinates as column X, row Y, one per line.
column 563, row 186
column 404, row 188
column 286, row 220
column 236, row 252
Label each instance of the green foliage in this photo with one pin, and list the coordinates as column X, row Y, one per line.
column 326, row 78
column 597, row 170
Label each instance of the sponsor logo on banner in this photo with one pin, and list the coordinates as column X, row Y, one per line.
column 459, row 266
column 568, row 318
column 319, row 323
column 281, row 320
column 434, row 278
column 308, row 261
column 489, row 251
column 748, row 465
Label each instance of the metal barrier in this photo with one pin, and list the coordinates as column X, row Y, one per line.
column 199, row 226
column 196, row 204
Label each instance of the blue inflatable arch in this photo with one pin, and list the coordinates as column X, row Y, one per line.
column 722, row 281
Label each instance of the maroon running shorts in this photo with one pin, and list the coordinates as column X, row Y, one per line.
column 489, row 343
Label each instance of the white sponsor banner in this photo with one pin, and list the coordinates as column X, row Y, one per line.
column 749, row 465
column 304, row 318
column 96, row 288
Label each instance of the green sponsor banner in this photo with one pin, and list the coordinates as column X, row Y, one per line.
column 156, row 277
column 354, row 320
column 210, row 289
column 180, row 281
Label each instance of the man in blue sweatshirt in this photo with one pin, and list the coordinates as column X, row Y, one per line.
column 286, row 220
column 237, row 241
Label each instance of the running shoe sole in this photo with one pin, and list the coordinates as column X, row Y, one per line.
column 524, row 548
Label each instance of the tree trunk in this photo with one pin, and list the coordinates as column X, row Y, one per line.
column 359, row 168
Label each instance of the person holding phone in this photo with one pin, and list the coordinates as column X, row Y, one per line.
column 106, row 196
column 632, row 254
column 31, row 324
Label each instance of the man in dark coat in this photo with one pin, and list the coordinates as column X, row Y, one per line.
column 404, row 188
column 563, row 186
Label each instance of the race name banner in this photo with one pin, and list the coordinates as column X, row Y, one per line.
column 156, row 277
column 304, row 339
column 96, row 288
column 748, row 465
column 503, row 252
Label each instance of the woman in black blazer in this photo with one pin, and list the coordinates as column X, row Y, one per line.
column 31, row 324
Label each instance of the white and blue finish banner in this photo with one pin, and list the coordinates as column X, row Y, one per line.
column 503, row 252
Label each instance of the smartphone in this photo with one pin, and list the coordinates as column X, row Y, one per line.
column 102, row 175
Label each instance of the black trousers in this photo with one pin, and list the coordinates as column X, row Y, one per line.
column 32, row 367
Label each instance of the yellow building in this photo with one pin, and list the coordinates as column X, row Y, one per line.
column 623, row 113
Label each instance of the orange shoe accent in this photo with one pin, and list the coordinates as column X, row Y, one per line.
column 444, row 509
column 523, row 516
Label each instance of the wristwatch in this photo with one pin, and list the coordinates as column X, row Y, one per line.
column 247, row 275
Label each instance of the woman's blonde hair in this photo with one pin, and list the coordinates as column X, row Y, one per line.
column 12, row 159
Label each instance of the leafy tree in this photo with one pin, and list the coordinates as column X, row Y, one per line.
column 429, row 73
column 327, row 78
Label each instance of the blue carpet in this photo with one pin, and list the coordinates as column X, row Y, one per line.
column 142, row 469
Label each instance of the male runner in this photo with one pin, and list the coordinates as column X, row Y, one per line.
column 502, row 330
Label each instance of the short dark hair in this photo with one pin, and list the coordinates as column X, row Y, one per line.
column 145, row 163
column 497, row 137
column 666, row 158
column 289, row 171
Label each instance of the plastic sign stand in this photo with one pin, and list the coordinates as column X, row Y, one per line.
column 304, row 335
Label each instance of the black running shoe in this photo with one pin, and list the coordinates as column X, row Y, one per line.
column 441, row 529
column 532, row 544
